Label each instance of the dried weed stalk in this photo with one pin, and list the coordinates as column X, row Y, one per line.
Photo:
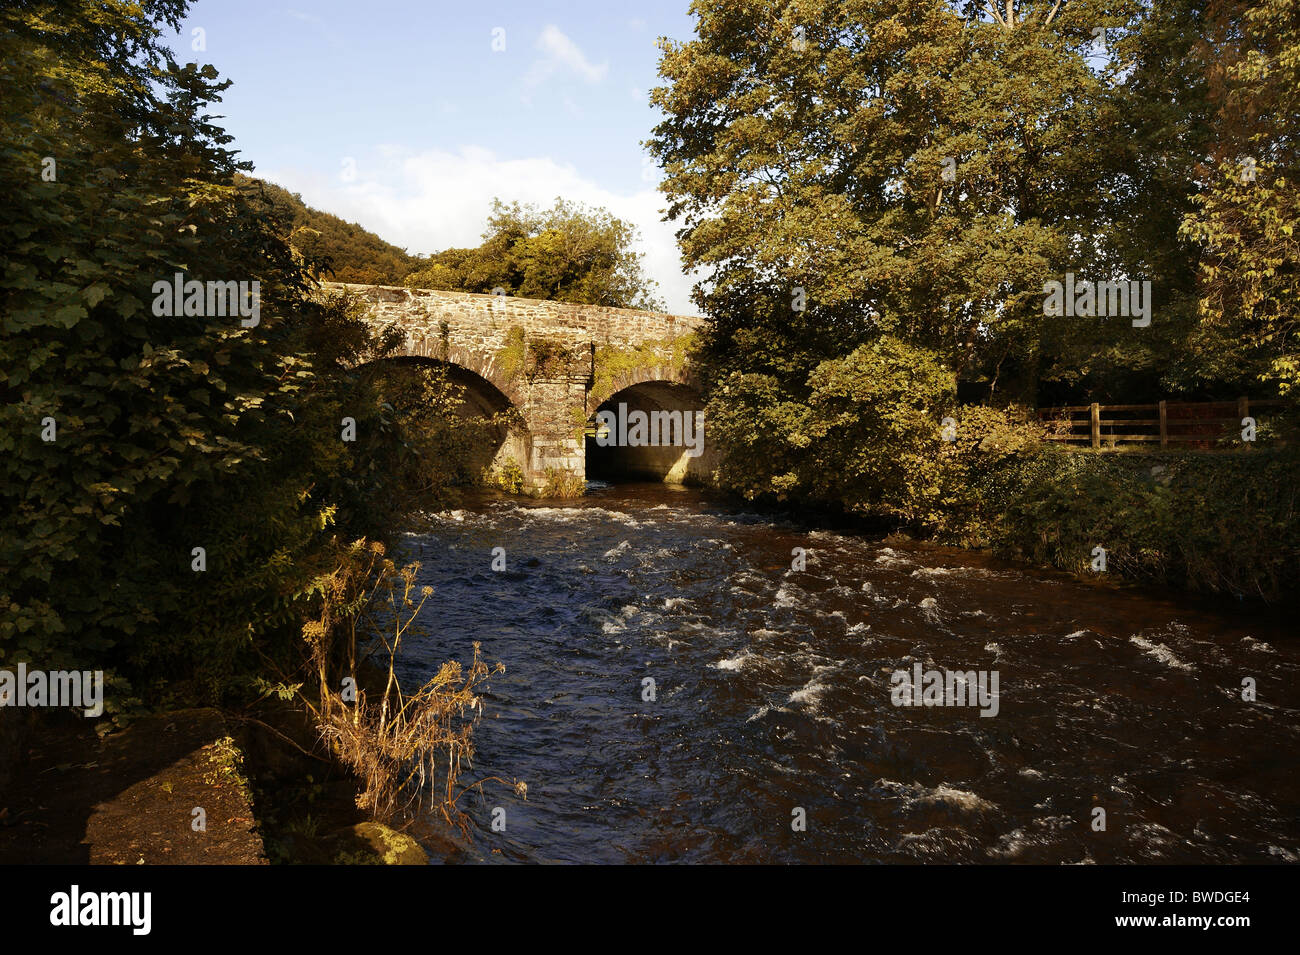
column 402, row 746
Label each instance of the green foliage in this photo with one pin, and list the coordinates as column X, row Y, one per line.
column 560, row 483
column 865, row 434
column 919, row 169
column 1222, row 522
column 532, row 358
column 567, row 253
column 509, row 477
column 868, row 437
column 875, row 192
column 805, row 150
column 873, row 435
column 227, row 761
column 546, row 358
column 510, row 356
column 1247, row 218
column 986, row 445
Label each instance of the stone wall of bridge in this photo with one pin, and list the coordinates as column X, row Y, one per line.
column 539, row 356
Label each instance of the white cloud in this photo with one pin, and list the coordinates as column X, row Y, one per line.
column 434, row 200
column 561, row 53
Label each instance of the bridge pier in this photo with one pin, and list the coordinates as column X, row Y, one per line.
column 555, row 412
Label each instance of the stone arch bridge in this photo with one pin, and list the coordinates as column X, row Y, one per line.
column 556, row 364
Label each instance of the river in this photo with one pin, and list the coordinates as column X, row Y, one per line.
column 772, row 699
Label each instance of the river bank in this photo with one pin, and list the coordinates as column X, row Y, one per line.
column 194, row 786
column 170, row 789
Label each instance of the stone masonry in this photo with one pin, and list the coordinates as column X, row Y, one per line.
column 552, row 345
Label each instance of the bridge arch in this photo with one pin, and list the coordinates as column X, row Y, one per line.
column 671, row 447
column 508, row 437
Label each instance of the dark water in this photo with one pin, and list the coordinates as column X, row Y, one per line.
column 773, row 693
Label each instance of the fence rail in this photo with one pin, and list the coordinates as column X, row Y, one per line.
column 1173, row 422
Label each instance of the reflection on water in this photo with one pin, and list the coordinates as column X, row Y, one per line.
column 773, row 693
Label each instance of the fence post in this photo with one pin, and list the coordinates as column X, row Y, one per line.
column 1164, row 427
column 1096, row 425
column 1243, row 411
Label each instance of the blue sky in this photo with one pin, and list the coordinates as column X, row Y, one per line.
column 401, row 115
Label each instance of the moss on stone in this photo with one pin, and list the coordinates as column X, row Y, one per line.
column 391, row 847
column 613, row 363
column 510, row 356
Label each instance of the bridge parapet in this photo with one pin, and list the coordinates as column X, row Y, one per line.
column 485, row 318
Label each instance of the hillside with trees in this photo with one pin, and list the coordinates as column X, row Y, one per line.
column 343, row 251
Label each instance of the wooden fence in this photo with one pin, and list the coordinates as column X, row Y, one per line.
column 1189, row 424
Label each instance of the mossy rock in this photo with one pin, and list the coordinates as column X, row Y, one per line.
column 387, row 845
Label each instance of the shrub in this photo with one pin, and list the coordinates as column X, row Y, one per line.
column 1220, row 522
column 509, row 477
column 563, row 484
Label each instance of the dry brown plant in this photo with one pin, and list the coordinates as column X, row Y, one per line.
column 405, row 748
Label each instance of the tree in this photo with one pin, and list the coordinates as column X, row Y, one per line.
column 147, row 412
column 173, row 478
column 1247, row 214
column 868, row 435
column 905, row 167
column 896, row 174
column 567, row 253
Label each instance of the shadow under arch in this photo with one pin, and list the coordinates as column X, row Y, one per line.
column 507, row 436
column 667, row 451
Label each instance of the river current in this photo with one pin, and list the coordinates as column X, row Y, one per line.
column 770, row 732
